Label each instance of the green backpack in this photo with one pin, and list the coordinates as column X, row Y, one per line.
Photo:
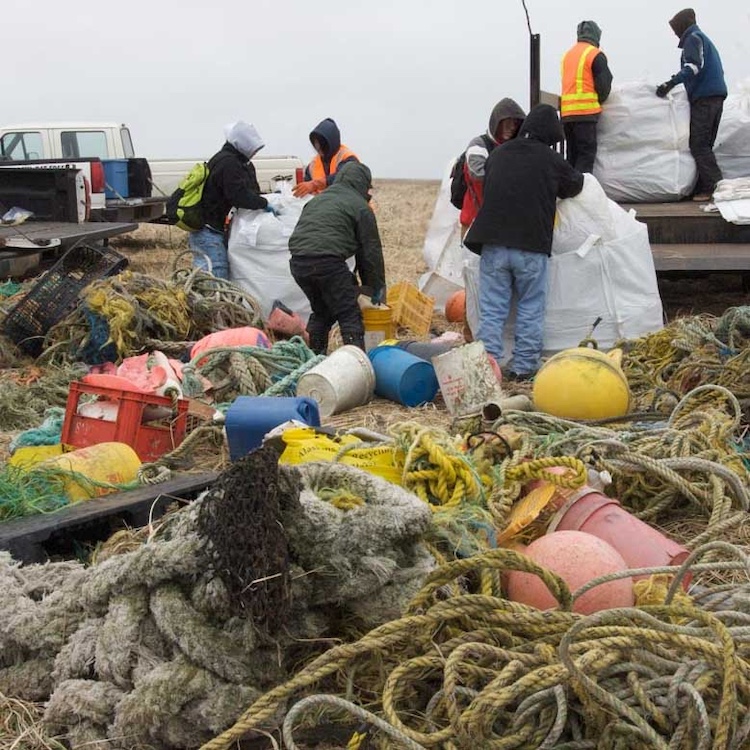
column 184, row 205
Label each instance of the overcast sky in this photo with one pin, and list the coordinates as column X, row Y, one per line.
column 409, row 83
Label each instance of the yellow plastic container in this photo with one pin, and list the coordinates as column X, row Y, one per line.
column 378, row 322
column 30, row 455
column 582, row 383
column 112, row 463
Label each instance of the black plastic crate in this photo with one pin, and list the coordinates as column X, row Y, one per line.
column 56, row 294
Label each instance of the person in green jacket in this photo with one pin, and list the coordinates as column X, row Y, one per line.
column 334, row 226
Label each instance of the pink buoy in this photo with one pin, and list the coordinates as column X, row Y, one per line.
column 640, row 545
column 577, row 558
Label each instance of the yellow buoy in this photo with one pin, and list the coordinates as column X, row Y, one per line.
column 109, row 463
column 582, row 383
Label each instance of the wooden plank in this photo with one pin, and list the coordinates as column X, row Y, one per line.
column 701, row 257
column 25, row 537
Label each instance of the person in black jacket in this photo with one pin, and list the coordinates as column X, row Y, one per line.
column 513, row 235
column 231, row 183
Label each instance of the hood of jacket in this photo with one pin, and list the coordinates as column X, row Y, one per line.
column 355, row 175
column 542, row 124
column 327, row 131
column 682, row 21
column 244, row 137
column 505, row 109
column 589, row 31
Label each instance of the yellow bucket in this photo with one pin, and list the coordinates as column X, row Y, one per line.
column 110, row 463
column 378, row 323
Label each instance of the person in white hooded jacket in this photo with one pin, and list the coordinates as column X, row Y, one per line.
column 231, row 183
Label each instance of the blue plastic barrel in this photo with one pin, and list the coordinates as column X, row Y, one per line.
column 116, row 178
column 249, row 418
column 402, row 377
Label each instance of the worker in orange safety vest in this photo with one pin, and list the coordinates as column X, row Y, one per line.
column 586, row 83
column 331, row 154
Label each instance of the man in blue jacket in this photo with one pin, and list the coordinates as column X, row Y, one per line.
column 703, row 76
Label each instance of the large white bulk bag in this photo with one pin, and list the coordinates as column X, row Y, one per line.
column 601, row 268
column 643, row 154
column 732, row 147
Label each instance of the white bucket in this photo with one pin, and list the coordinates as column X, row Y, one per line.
column 343, row 380
column 467, row 380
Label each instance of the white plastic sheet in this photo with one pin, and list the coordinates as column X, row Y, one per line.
column 642, row 153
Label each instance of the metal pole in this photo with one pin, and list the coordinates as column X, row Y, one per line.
column 535, row 70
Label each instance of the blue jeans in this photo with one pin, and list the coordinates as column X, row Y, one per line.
column 209, row 243
column 503, row 271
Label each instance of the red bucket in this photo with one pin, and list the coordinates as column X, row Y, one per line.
column 640, row 545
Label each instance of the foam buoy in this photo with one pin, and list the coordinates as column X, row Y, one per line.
column 577, row 558
column 455, row 307
column 582, row 383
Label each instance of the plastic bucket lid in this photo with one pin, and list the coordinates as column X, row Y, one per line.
column 343, row 380
column 402, row 377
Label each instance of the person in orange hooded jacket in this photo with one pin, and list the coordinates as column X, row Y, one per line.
column 331, row 154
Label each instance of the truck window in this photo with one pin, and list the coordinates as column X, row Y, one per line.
column 127, row 143
column 21, row 146
column 84, row 143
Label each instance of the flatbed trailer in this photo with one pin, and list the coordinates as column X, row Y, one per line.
column 686, row 238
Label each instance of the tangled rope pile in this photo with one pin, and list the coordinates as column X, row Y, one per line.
column 687, row 353
column 131, row 312
column 480, row 671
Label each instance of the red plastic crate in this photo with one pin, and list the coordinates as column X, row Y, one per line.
column 149, row 439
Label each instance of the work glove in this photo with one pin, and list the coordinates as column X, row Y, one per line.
column 301, row 189
column 272, row 210
column 664, row 88
column 378, row 296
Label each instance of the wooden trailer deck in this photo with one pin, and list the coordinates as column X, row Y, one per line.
column 686, row 238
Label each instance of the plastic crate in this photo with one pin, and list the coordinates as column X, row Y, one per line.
column 149, row 439
column 411, row 308
column 56, row 294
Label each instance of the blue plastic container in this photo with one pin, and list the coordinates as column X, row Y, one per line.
column 402, row 377
column 249, row 418
column 116, row 176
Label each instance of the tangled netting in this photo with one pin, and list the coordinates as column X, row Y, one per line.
column 480, row 671
column 150, row 649
column 132, row 312
column 687, row 353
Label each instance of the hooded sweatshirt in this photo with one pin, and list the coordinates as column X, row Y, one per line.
column 231, row 179
column 339, row 223
column 701, row 70
column 589, row 32
column 523, row 180
column 478, row 150
column 329, row 136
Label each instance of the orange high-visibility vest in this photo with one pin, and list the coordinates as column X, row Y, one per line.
column 579, row 95
column 317, row 170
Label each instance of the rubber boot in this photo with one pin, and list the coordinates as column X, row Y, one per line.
column 318, row 341
column 355, row 339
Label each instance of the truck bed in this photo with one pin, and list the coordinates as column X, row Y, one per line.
column 67, row 232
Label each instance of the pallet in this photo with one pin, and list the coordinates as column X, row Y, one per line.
column 37, row 538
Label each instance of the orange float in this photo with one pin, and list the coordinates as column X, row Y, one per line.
column 577, row 558
column 455, row 307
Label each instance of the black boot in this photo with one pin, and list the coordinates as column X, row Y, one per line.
column 355, row 339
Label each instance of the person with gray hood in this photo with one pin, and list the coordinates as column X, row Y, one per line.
column 334, row 226
column 586, row 84
column 231, row 183
column 505, row 120
column 703, row 76
column 513, row 235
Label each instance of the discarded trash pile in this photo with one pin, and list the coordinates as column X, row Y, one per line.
column 165, row 645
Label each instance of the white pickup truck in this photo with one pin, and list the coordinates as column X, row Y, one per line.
column 111, row 140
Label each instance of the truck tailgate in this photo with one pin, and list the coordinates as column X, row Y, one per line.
column 67, row 232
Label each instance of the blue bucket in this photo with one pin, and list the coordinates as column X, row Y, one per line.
column 402, row 377
column 116, row 177
column 249, row 418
